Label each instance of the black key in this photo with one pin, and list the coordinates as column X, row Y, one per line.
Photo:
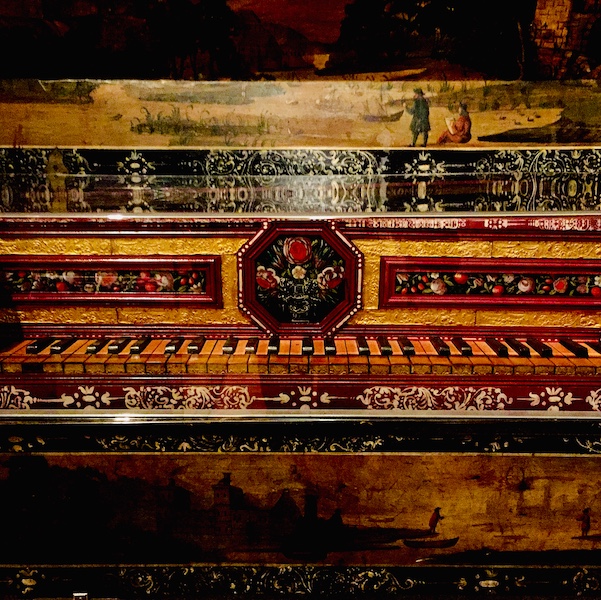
column 95, row 346
column 521, row 349
column 596, row 346
column 62, row 345
column 230, row 345
column 575, row 348
column 251, row 345
column 329, row 346
column 497, row 347
column 540, row 347
column 195, row 346
column 363, row 346
column 384, row 344
column 406, row 346
column 117, row 345
column 462, row 346
column 273, row 346
column 138, row 346
column 441, row 347
column 308, row 348
column 38, row 345
column 173, row 345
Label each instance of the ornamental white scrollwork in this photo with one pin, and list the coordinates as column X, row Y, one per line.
column 553, row 399
column 12, row 397
column 424, row 398
column 187, row 397
column 594, row 399
column 86, row 398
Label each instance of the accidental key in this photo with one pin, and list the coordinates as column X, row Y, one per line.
column 406, row 345
column 38, row 345
column 173, row 345
column 497, row 347
column 61, row 345
column 139, row 345
column 441, row 347
column 195, row 346
column 308, row 348
column 540, row 348
column 384, row 344
column 462, row 346
column 117, row 345
column 575, row 348
column 521, row 349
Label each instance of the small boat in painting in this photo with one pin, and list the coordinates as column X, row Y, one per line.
column 431, row 543
column 383, row 118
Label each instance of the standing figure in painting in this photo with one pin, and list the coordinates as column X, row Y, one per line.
column 420, row 123
column 459, row 129
column 435, row 519
column 585, row 521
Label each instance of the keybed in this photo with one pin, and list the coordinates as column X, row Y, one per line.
column 343, row 354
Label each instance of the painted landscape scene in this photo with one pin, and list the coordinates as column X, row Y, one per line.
column 265, row 74
column 286, row 509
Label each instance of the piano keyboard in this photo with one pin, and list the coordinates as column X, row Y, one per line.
column 353, row 355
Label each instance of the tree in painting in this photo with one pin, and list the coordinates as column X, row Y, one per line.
column 383, row 35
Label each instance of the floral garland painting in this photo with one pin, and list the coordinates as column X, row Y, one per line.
column 497, row 284
column 188, row 281
column 300, row 279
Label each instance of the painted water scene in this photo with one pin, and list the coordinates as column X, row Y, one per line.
column 263, row 74
column 307, row 509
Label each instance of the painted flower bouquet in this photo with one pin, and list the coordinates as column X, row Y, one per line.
column 299, row 279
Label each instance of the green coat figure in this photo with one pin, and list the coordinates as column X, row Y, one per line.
column 420, row 123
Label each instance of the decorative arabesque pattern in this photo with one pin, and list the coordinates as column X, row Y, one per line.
column 298, row 181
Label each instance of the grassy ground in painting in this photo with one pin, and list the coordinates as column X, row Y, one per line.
column 321, row 113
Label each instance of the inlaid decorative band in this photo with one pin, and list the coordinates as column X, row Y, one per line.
column 323, row 396
column 535, row 283
column 89, row 279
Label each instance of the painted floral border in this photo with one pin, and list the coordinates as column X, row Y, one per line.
column 536, row 282
column 89, row 278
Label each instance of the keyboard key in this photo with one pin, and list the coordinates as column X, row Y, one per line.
column 385, row 348
column 406, row 345
column 497, row 347
column 517, row 346
column 441, row 347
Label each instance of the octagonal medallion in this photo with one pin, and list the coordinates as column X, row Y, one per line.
column 300, row 278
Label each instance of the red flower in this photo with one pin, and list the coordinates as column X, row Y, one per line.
column 560, row 285
column 266, row 278
column 297, row 250
column 330, row 277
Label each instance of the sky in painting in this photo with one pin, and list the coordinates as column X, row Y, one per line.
column 317, row 20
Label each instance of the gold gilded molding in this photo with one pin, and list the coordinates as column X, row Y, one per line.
column 540, row 249
column 416, row 316
column 56, row 246
column 185, row 246
column 183, row 315
column 538, row 318
column 383, row 247
column 67, row 315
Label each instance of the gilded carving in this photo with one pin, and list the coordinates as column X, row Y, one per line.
column 56, row 245
column 416, row 316
column 185, row 315
column 545, row 249
column 537, row 318
column 181, row 246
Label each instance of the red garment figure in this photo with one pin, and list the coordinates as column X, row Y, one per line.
column 435, row 519
column 585, row 521
column 459, row 130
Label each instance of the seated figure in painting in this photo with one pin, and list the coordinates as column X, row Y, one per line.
column 459, row 129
